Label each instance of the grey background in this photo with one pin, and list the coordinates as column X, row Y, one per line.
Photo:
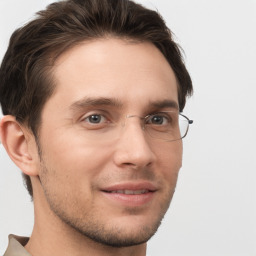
column 213, row 211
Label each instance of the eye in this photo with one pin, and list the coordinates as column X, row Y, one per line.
column 158, row 119
column 95, row 119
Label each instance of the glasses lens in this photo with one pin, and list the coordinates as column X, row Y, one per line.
column 183, row 125
column 167, row 126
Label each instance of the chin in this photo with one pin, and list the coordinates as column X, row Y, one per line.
column 121, row 237
column 124, row 232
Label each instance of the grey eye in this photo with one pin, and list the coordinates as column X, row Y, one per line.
column 95, row 119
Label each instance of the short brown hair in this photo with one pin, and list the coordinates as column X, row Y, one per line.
column 25, row 72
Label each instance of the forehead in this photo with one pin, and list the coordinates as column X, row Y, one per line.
column 132, row 72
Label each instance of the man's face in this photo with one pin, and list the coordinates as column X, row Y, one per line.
column 113, row 189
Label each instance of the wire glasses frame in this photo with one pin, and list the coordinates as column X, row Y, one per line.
column 166, row 125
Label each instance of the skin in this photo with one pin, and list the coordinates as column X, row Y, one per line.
column 73, row 215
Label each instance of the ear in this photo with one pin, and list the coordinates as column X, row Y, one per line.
column 20, row 145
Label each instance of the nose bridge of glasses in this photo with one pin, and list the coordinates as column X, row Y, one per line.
column 131, row 116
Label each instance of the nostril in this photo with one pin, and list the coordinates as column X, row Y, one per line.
column 131, row 165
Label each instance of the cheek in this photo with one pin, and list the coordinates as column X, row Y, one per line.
column 170, row 159
column 73, row 154
column 70, row 173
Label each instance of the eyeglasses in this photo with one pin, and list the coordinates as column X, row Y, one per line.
column 164, row 125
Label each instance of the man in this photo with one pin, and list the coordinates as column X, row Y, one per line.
column 92, row 92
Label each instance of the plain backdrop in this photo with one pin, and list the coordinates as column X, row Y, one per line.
column 213, row 212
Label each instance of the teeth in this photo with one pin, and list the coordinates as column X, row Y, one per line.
column 137, row 192
column 130, row 192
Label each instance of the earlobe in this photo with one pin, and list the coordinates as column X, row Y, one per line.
column 18, row 143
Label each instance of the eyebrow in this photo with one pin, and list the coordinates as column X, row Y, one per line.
column 90, row 102
column 165, row 104
column 113, row 102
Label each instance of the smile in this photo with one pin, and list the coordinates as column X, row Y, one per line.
column 130, row 192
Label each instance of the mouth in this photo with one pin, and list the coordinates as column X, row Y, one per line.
column 130, row 194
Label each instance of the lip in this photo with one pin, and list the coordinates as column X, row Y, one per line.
column 113, row 194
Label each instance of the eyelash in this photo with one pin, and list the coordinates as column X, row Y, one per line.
column 93, row 116
column 96, row 125
column 89, row 124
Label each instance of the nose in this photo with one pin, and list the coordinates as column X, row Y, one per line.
column 132, row 148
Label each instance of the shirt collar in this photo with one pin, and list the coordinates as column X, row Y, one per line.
column 16, row 246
